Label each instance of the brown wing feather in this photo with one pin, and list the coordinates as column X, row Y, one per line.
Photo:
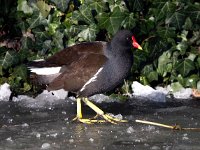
column 74, row 53
column 78, row 72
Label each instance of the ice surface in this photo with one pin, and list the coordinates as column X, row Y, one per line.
column 5, row 92
column 45, row 146
column 147, row 93
column 130, row 130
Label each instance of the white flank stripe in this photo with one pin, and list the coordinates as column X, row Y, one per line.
column 46, row 70
column 37, row 60
column 91, row 79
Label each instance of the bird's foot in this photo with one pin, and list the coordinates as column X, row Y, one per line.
column 88, row 121
column 112, row 119
column 105, row 116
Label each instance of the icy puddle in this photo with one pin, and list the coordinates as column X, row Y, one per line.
column 50, row 127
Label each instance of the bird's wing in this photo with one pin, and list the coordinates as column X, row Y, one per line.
column 75, row 75
column 72, row 54
column 78, row 64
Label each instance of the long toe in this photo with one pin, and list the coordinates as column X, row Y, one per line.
column 112, row 119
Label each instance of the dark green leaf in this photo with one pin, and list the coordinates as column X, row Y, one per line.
column 83, row 14
column 166, row 32
column 176, row 20
column 36, row 20
column 193, row 12
column 164, row 8
column 184, row 67
column 129, row 22
column 188, row 24
column 149, row 72
column 98, row 6
column 164, row 64
column 89, row 33
column 7, row 60
column 61, row 4
column 58, row 40
column 112, row 22
column 136, row 4
column 20, row 71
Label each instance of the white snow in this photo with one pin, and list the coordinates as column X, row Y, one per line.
column 5, row 92
column 44, row 100
column 147, row 93
column 48, row 99
column 184, row 93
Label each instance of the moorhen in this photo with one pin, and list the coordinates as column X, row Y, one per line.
column 88, row 68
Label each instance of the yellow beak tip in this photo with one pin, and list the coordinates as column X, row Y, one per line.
column 140, row 48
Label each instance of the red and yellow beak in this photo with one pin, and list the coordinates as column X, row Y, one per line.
column 135, row 44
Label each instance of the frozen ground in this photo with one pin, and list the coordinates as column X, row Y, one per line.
column 45, row 122
column 140, row 92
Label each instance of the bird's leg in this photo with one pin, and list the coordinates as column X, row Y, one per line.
column 100, row 112
column 79, row 115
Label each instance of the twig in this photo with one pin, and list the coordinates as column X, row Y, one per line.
column 175, row 127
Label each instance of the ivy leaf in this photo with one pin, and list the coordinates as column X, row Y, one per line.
column 182, row 46
column 166, row 32
column 89, row 33
column 129, row 22
column 136, row 5
column 40, row 34
column 98, row 6
column 7, row 60
column 111, row 21
column 150, row 73
column 184, row 67
column 163, row 8
column 21, row 71
column 24, row 7
column 188, row 24
column 43, row 7
column 194, row 12
column 83, row 14
column 58, row 40
column 176, row 20
column 36, row 20
column 117, row 3
column 61, row 4
column 164, row 64
column 176, row 86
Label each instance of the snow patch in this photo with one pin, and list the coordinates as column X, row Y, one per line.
column 148, row 93
column 44, row 100
column 5, row 92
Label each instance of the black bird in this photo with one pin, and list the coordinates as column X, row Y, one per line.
column 87, row 69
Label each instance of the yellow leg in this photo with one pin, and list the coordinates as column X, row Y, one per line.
column 99, row 112
column 79, row 115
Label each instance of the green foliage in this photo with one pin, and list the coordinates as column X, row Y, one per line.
column 168, row 31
